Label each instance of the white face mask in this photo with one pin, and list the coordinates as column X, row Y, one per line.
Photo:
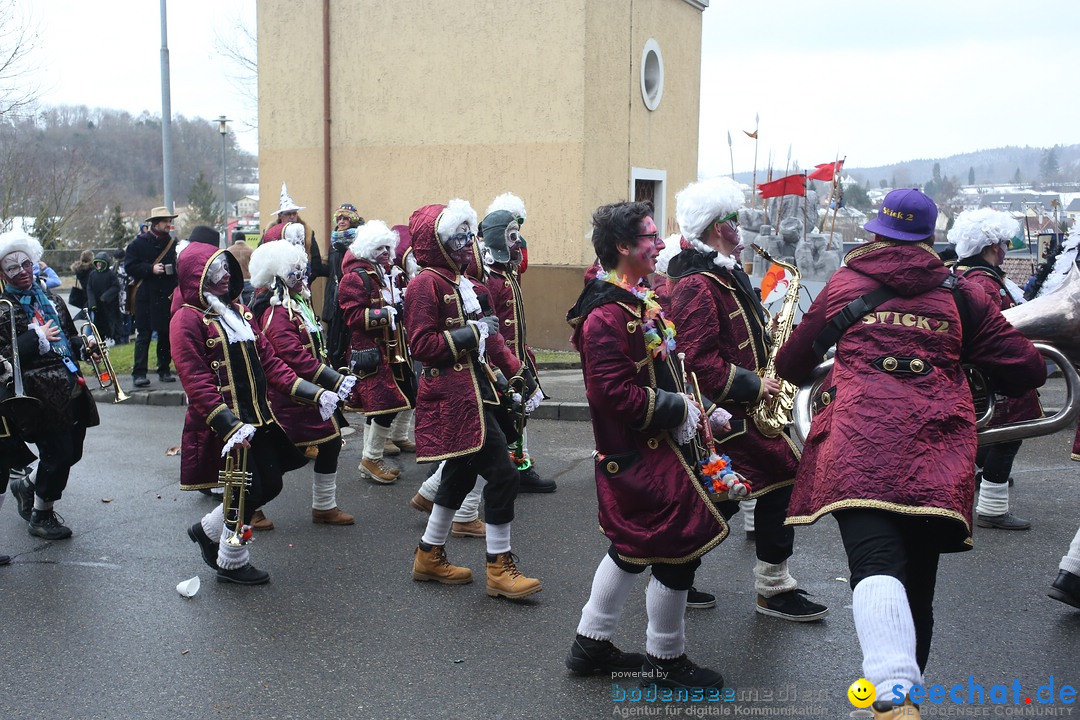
column 295, row 277
column 14, row 263
column 218, row 269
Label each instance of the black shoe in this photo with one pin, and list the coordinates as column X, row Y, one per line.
column 1066, row 589
column 23, row 492
column 791, row 605
column 208, row 547
column 751, row 535
column 48, row 525
column 246, row 575
column 1008, row 521
column 140, row 381
column 5, row 560
column 166, row 377
column 531, row 482
column 679, row 673
column 588, row 657
column 700, row 600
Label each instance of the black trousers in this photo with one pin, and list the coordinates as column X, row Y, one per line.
column 493, row 463
column 58, row 451
column 773, row 540
column 327, row 460
column 266, row 474
column 997, row 460
column 151, row 315
column 676, row 577
column 900, row 546
column 385, row 420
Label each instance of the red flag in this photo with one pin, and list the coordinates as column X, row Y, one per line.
column 826, row 171
column 790, row 185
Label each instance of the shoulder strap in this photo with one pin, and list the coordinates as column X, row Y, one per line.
column 952, row 284
column 850, row 315
column 168, row 247
column 364, row 279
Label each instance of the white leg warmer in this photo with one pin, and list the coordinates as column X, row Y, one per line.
column 324, row 491
column 611, row 586
column 886, row 633
column 402, row 424
column 470, row 506
column 212, row 522
column 498, row 538
column 40, row 504
column 747, row 507
column 770, row 580
column 231, row 557
column 665, row 636
column 1071, row 562
column 993, row 498
column 374, row 438
column 431, row 485
column 438, row 525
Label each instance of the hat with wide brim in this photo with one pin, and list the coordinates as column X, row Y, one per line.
column 160, row 213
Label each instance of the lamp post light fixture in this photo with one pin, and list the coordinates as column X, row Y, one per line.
column 224, row 130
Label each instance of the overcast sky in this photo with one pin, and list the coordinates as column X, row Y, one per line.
column 878, row 82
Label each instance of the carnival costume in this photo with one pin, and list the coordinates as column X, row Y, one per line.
column 891, row 451
column 226, row 369
column 299, row 235
column 284, row 316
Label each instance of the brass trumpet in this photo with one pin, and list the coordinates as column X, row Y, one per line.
column 19, row 402
column 235, row 480
column 102, row 368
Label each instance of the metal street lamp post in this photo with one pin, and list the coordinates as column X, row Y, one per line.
column 224, row 183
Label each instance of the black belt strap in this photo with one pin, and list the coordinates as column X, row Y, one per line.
column 850, row 315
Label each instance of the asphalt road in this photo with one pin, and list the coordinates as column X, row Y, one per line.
column 94, row 628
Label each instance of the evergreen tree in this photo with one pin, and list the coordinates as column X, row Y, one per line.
column 1016, row 177
column 117, row 233
column 203, row 205
column 1049, row 166
column 971, row 176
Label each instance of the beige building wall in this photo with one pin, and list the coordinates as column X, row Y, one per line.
column 472, row 98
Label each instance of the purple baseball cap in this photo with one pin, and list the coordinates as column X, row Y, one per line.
column 906, row 214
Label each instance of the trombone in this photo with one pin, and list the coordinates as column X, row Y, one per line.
column 102, row 368
column 235, row 479
column 19, row 402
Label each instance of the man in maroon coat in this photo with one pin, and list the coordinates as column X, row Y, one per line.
column 652, row 507
column 891, row 452
column 461, row 413
column 722, row 330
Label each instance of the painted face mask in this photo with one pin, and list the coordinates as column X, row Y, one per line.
column 294, row 279
column 15, row 264
column 218, row 270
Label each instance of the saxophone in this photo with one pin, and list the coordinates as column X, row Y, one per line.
column 773, row 415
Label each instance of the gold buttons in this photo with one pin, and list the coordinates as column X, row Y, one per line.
column 653, row 443
column 508, row 322
column 248, row 316
column 826, row 398
column 632, row 326
column 917, row 365
column 449, row 297
column 216, row 364
column 211, row 342
column 457, row 367
column 613, row 467
column 889, row 364
column 434, row 372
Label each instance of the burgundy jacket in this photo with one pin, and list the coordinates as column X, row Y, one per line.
column 992, row 281
column 388, row 388
column 454, row 385
column 651, row 506
column 720, row 326
column 901, row 439
column 226, row 383
column 509, row 305
column 305, row 355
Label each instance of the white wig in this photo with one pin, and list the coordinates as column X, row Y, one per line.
column 509, row 202
column 700, row 204
column 17, row 239
column 371, row 237
column 671, row 249
column 274, row 260
column 974, row 230
column 457, row 211
column 294, row 233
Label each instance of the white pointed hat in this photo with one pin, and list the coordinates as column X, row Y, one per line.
column 287, row 203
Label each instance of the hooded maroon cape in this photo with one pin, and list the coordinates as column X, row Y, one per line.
column 896, row 441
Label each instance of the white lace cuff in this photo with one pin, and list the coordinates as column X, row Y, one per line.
column 482, row 329
column 686, row 432
column 347, row 385
column 328, row 403
column 719, row 418
column 246, row 432
column 43, row 344
column 534, row 401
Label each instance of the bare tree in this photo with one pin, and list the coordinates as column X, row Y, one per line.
column 241, row 49
column 18, row 40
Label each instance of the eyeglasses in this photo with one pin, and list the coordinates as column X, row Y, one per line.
column 459, row 240
column 13, row 269
column 654, row 236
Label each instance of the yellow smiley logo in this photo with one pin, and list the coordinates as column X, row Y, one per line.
column 861, row 693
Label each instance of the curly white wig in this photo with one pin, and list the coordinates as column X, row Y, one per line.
column 18, row 239
column 274, row 260
column 509, row 202
column 974, row 230
column 701, row 203
column 371, row 237
column 457, row 211
column 671, row 249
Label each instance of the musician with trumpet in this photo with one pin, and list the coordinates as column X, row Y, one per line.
column 723, row 329
column 891, row 452
column 56, row 407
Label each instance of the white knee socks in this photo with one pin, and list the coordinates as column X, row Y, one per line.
column 498, row 538
column 231, row 557
column 438, row 525
column 993, row 498
column 212, row 523
column 324, row 491
column 1071, row 562
column 665, row 636
column 402, row 424
column 611, row 586
column 770, row 579
column 886, row 633
column 747, row 508
column 374, row 438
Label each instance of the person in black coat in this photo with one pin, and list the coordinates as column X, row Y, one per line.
column 150, row 261
column 103, row 297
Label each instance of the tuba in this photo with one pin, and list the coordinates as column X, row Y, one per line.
column 1051, row 322
column 773, row 415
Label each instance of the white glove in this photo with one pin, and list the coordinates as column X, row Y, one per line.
column 720, row 421
column 346, row 388
column 246, row 432
column 534, row 401
column 328, row 403
column 686, row 432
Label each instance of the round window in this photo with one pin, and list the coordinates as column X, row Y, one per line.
column 652, row 74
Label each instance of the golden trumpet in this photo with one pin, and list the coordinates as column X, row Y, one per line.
column 19, row 401
column 235, row 480
column 102, row 368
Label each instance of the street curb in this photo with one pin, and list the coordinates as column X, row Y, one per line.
column 161, row 398
column 562, row 411
column 559, row 365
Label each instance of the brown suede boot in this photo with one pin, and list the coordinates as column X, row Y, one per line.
column 505, row 580
column 432, row 565
column 333, row 516
column 907, row 711
column 404, row 445
column 379, row 471
column 260, row 521
column 390, row 449
column 421, row 503
column 473, row 528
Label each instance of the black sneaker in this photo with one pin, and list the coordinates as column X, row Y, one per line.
column 1066, row 588
column 700, row 600
column 208, row 547
column 48, row 525
column 140, row 381
column 245, row 575
column 5, row 559
column 23, row 492
column 166, row 377
column 531, row 482
column 588, row 657
column 791, row 605
column 1008, row 521
column 679, row 672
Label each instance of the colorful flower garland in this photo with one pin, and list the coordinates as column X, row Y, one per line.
column 720, row 478
column 659, row 341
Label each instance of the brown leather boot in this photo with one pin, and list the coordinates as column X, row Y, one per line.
column 907, row 711
column 390, row 449
column 421, row 503
column 404, row 445
column 473, row 528
column 505, row 580
column 333, row 516
column 379, row 471
column 260, row 521
column 433, row 565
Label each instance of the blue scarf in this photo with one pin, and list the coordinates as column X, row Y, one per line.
column 37, row 305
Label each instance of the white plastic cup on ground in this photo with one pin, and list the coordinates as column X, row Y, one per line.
column 188, row 588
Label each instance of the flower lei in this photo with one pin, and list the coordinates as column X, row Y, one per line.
column 720, row 478
column 659, row 342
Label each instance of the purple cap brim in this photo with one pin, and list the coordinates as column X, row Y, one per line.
column 880, row 228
